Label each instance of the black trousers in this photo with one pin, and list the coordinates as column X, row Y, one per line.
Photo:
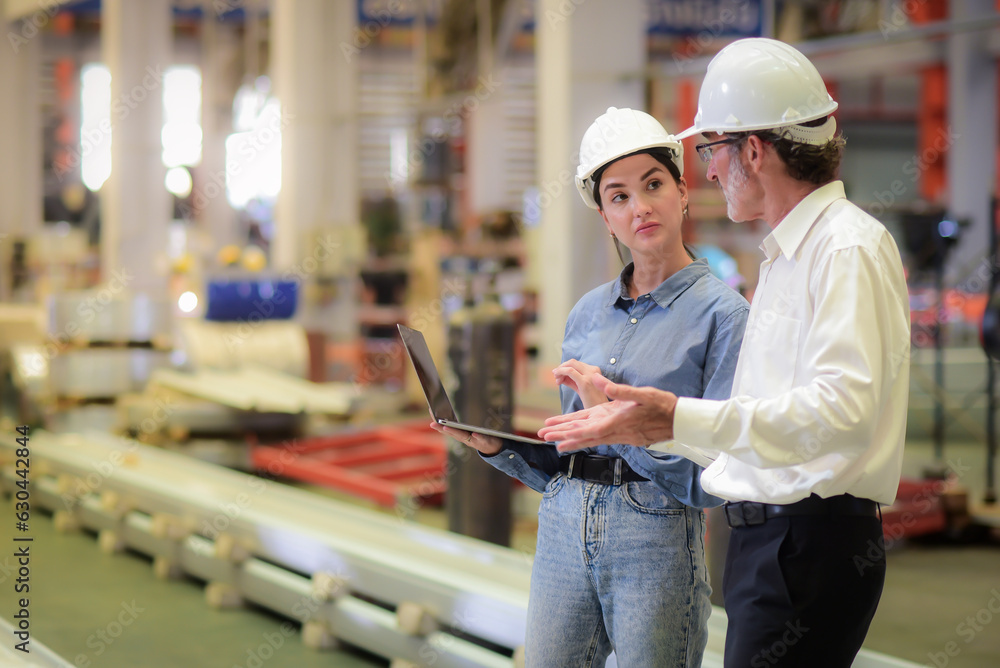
column 801, row 591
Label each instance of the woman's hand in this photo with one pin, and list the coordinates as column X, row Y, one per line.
column 488, row 445
column 579, row 377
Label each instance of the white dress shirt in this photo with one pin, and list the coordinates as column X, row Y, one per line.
column 821, row 387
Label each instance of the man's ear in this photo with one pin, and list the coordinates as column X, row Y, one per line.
column 754, row 153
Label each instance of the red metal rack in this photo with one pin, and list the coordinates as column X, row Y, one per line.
column 388, row 465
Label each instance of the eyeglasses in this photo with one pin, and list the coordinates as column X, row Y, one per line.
column 705, row 150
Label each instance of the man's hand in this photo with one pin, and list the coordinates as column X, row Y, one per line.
column 488, row 445
column 635, row 416
column 580, row 377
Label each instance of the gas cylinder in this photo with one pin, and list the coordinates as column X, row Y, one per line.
column 481, row 352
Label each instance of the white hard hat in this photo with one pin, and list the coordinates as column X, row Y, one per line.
column 761, row 84
column 615, row 134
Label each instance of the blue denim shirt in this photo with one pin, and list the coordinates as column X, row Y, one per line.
column 684, row 336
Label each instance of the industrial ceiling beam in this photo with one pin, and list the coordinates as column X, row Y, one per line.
column 43, row 9
column 888, row 50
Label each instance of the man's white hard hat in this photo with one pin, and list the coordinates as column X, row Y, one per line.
column 615, row 134
column 761, row 84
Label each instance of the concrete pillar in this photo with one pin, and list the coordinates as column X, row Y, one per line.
column 972, row 126
column 135, row 205
column 315, row 76
column 219, row 43
column 486, row 168
column 20, row 141
column 571, row 252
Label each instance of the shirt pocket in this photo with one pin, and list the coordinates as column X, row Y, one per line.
column 772, row 357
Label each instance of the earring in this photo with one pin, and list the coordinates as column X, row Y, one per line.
column 685, row 211
column 612, row 236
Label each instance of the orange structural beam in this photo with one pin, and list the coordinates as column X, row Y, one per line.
column 932, row 133
column 932, row 117
column 687, row 107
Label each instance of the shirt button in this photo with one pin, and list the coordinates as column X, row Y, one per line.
column 612, row 360
column 510, row 456
column 634, row 321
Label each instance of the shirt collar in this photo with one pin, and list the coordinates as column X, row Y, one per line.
column 792, row 230
column 666, row 292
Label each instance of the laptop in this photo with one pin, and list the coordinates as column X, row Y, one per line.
column 437, row 398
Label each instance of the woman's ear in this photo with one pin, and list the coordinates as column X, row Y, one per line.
column 682, row 187
column 606, row 223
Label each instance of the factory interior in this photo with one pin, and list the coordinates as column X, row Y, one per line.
column 215, row 213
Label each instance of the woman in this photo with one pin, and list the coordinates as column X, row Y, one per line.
column 620, row 559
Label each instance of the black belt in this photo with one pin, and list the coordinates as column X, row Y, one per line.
column 750, row 513
column 600, row 469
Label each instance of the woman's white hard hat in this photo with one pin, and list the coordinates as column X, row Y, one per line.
column 762, row 84
column 615, row 134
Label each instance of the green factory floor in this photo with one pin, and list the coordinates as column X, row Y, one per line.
column 100, row 610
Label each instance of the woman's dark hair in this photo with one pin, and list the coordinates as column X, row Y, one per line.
column 805, row 162
column 666, row 158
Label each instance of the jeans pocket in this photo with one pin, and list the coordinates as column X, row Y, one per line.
column 648, row 497
column 554, row 485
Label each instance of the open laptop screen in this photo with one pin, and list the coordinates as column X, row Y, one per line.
column 430, row 380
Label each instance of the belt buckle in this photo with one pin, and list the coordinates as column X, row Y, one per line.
column 733, row 518
column 754, row 514
column 618, row 471
column 572, row 466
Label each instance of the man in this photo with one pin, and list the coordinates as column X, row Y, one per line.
column 812, row 438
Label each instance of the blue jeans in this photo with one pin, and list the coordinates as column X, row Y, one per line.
column 617, row 568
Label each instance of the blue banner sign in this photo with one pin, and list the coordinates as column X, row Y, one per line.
column 719, row 18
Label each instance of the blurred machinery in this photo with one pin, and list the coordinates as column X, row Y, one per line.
column 113, row 360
